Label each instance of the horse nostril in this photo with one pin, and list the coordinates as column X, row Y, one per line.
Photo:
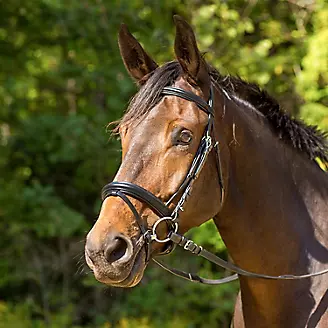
column 118, row 249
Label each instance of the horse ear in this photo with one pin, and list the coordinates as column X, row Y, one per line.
column 137, row 62
column 187, row 53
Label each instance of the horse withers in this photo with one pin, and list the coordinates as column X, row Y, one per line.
column 197, row 145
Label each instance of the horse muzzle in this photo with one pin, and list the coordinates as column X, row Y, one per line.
column 117, row 261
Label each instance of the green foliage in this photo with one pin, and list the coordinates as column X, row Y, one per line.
column 61, row 81
column 19, row 316
column 173, row 300
column 313, row 79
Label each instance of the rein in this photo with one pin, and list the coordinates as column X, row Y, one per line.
column 171, row 217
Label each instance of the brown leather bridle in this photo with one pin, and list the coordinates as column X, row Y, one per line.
column 171, row 216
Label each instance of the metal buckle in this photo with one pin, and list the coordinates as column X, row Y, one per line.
column 188, row 243
column 148, row 236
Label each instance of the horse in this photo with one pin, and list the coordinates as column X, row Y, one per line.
column 198, row 145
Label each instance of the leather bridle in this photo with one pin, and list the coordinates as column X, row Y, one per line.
column 171, row 216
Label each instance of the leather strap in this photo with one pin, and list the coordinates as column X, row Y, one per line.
column 139, row 193
column 194, row 277
column 178, row 92
column 192, row 247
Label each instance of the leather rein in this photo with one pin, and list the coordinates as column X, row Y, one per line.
column 171, row 216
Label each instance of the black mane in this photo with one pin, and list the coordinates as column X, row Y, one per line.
column 305, row 138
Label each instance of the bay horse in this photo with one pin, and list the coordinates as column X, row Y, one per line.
column 197, row 145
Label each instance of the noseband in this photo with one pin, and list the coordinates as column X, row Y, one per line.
column 171, row 216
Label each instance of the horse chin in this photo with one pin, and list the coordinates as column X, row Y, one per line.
column 131, row 279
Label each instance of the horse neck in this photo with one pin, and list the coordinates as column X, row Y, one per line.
column 273, row 221
column 272, row 198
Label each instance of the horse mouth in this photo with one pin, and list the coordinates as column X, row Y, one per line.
column 111, row 276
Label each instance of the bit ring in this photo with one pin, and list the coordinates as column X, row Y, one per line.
column 173, row 224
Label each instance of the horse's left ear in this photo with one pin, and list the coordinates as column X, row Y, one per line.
column 136, row 60
column 188, row 55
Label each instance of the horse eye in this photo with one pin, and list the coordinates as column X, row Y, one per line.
column 185, row 137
